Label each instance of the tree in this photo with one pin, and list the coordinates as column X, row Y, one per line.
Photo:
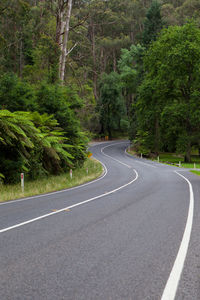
column 170, row 91
column 111, row 105
column 63, row 102
column 130, row 66
column 152, row 24
column 63, row 19
column 16, row 94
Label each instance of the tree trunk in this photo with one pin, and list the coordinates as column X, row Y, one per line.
column 102, row 61
column 20, row 57
column 58, row 21
column 94, row 58
column 65, row 41
column 187, row 157
column 114, row 62
column 109, row 133
column 157, row 136
column 132, row 33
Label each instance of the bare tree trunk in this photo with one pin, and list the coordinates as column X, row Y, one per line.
column 65, row 41
column 94, row 59
column 60, row 41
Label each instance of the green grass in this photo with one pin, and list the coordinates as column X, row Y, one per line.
column 175, row 159
column 172, row 158
column 52, row 183
column 196, row 172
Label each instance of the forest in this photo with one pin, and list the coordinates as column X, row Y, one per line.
column 72, row 70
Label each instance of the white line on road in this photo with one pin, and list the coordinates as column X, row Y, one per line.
column 113, row 157
column 138, row 161
column 69, row 207
column 173, row 280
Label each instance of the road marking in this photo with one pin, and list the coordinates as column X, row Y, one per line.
column 69, row 207
column 113, row 157
column 174, row 277
column 140, row 162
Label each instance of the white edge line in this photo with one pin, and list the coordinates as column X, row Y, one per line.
column 69, row 207
column 140, row 162
column 113, row 157
column 169, row 292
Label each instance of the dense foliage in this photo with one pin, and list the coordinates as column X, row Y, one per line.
column 31, row 143
column 168, row 108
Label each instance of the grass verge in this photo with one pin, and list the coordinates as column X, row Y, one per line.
column 52, row 183
column 196, row 172
column 174, row 159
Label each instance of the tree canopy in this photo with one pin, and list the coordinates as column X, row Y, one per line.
column 169, row 97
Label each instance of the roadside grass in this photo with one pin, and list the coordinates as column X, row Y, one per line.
column 52, row 183
column 196, row 172
column 174, row 159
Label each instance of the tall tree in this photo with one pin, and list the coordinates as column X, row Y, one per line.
column 153, row 23
column 111, row 103
column 170, row 94
column 63, row 19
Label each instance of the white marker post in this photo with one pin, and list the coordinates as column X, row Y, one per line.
column 141, row 155
column 194, row 166
column 158, row 159
column 70, row 173
column 22, row 182
column 179, row 164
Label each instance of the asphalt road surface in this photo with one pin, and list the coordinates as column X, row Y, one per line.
column 132, row 234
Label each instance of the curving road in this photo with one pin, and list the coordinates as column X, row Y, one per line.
column 131, row 234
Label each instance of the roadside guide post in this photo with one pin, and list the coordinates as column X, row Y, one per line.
column 158, row 159
column 179, row 164
column 89, row 155
column 22, row 182
column 70, row 173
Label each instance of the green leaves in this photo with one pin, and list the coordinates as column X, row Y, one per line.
column 111, row 104
column 29, row 136
column 153, row 23
column 169, row 97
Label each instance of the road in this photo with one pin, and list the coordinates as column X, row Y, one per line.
column 132, row 234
